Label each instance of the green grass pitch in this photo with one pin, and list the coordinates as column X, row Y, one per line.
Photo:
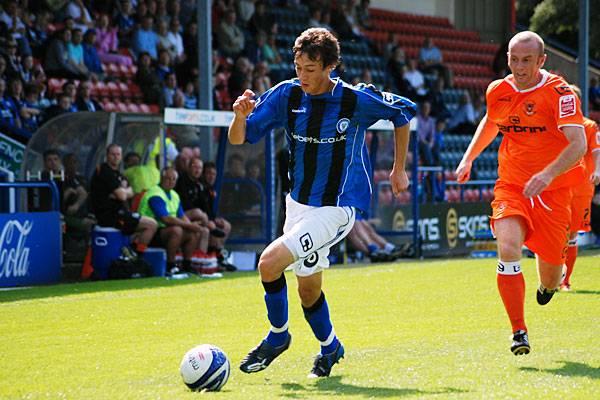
column 422, row 330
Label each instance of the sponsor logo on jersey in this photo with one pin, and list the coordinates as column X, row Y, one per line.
column 318, row 140
column 507, row 99
column 529, row 107
column 342, row 125
column 299, row 110
column 567, row 106
column 521, row 129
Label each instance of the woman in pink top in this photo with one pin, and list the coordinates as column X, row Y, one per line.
column 107, row 44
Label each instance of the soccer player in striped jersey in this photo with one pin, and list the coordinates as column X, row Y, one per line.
column 325, row 119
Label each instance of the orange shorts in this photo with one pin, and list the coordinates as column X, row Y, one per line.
column 581, row 213
column 547, row 216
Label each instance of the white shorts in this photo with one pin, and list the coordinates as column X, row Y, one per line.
column 309, row 232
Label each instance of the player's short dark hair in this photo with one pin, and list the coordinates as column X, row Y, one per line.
column 210, row 165
column 319, row 45
column 130, row 155
column 110, row 146
column 51, row 152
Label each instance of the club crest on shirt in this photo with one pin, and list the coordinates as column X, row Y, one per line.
column 529, row 107
column 567, row 106
column 342, row 125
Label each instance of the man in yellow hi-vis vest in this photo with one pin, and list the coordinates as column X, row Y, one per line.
column 175, row 230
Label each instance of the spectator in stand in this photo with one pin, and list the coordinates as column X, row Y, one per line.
column 26, row 69
column 594, row 94
column 426, row 135
column 431, row 59
column 191, row 96
column 315, row 17
column 178, row 99
column 239, row 79
column 75, row 51
column 10, row 121
column 436, row 99
column 190, row 43
column 366, row 76
column 13, row 60
column 83, row 101
column 415, row 79
column 141, row 11
column 261, row 20
column 362, row 14
column 169, row 89
column 70, row 89
column 3, row 74
column 261, row 80
column 16, row 29
column 230, row 38
column 57, row 63
column 395, row 66
column 81, row 16
column 245, row 10
column 254, row 48
column 110, row 193
column 162, row 204
column 163, row 67
column 90, row 54
column 31, row 110
column 463, row 119
column 37, row 33
column 64, row 105
column 107, row 43
column 236, row 189
column 163, row 42
column 194, row 199
column 176, row 41
column 161, row 12
column 125, row 22
column 147, row 79
column 145, row 39
column 270, row 53
column 479, row 107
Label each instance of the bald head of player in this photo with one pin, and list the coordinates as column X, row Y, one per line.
column 525, row 59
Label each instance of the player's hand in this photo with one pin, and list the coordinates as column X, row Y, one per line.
column 595, row 177
column 463, row 171
column 243, row 105
column 536, row 184
column 399, row 181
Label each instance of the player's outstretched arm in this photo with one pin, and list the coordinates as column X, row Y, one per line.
column 398, row 177
column 484, row 135
column 574, row 151
column 242, row 107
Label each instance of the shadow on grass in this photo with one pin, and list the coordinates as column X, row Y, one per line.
column 577, row 291
column 569, row 369
column 334, row 386
column 68, row 289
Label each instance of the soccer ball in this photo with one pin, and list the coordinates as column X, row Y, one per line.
column 205, row 367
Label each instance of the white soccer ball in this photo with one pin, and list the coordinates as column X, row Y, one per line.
column 205, row 367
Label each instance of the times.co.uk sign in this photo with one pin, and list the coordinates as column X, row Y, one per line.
column 30, row 249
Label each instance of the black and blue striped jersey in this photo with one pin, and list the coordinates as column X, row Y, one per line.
column 329, row 163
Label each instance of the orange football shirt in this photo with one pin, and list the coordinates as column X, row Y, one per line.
column 530, row 121
column 592, row 134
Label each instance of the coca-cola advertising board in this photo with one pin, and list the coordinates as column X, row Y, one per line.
column 30, row 249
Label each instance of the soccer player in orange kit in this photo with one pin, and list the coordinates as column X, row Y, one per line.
column 582, row 194
column 538, row 163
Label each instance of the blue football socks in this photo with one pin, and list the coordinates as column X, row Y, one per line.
column 277, row 310
column 317, row 316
